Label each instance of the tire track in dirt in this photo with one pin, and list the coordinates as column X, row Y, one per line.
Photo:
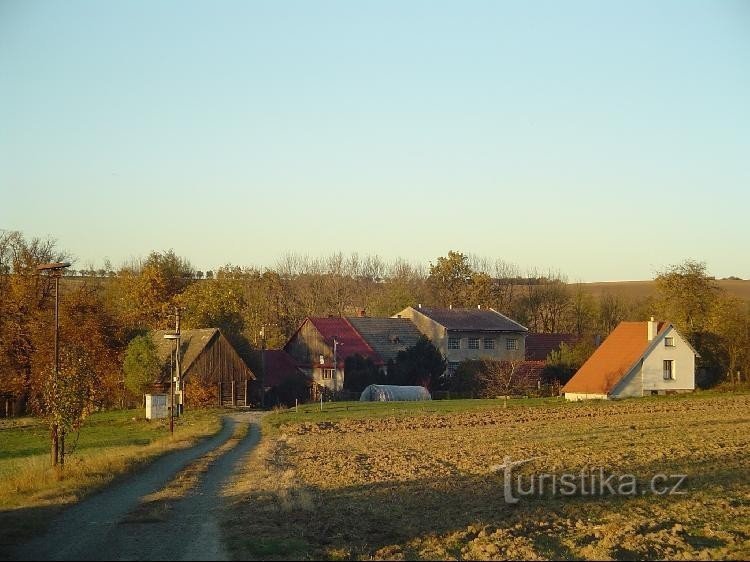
column 185, row 527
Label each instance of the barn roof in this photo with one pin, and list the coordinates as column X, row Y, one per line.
column 192, row 343
column 539, row 346
column 350, row 341
column 613, row 359
column 278, row 366
column 472, row 319
column 386, row 336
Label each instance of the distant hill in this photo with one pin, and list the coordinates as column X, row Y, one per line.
column 632, row 290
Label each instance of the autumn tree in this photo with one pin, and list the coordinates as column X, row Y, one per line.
column 146, row 291
column 67, row 396
column 26, row 302
column 449, row 278
column 686, row 295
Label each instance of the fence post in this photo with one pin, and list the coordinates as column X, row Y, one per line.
column 221, row 398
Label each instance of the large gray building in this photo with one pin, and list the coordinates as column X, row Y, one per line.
column 469, row 333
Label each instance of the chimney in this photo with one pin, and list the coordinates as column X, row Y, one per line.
column 653, row 328
column 450, row 307
column 420, row 305
column 479, row 306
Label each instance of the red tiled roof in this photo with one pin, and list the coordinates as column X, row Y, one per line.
column 349, row 341
column 278, row 366
column 613, row 359
column 539, row 346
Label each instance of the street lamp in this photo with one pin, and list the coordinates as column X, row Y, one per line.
column 55, row 270
column 172, row 377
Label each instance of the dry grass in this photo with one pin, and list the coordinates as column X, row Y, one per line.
column 421, row 487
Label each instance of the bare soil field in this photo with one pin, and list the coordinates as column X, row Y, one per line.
column 425, row 486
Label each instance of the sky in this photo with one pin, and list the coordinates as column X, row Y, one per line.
column 604, row 140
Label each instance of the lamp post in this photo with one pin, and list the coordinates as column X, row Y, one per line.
column 172, row 377
column 55, row 270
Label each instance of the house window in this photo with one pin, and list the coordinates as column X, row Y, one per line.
column 668, row 342
column 454, row 343
column 489, row 343
column 511, row 343
column 452, row 366
column 668, row 370
column 473, row 343
column 327, row 374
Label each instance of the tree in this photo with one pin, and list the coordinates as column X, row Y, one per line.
column 485, row 378
column 686, row 295
column 147, row 290
column 26, row 305
column 563, row 362
column 67, row 396
column 730, row 321
column 449, row 278
column 141, row 365
column 421, row 365
column 360, row 372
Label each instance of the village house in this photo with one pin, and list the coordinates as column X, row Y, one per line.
column 469, row 333
column 321, row 345
column 212, row 370
column 637, row 359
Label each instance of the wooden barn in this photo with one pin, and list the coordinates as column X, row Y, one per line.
column 212, row 370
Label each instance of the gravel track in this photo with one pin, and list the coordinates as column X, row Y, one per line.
column 97, row 528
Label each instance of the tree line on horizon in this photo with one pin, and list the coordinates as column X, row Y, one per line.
column 100, row 314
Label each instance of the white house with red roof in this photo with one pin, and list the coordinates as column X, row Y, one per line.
column 637, row 359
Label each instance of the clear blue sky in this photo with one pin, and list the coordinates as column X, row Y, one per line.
column 602, row 139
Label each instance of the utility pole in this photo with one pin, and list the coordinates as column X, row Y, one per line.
column 177, row 361
column 262, row 367
column 336, row 344
column 56, row 434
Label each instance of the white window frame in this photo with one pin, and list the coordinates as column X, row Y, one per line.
column 328, row 374
column 474, row 343
column 489, row 343
column 511, row 344
column 669, row 342
column 454, row 342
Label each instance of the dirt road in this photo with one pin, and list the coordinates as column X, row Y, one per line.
column 111, row 524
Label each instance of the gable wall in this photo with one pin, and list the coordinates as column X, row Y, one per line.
column 218, row 362
column 684, row 365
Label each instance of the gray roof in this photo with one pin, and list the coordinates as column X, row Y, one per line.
column 387, row 336
column 192, row 343
column 472, row 319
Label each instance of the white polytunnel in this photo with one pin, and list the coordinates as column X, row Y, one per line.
column 393, row 393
